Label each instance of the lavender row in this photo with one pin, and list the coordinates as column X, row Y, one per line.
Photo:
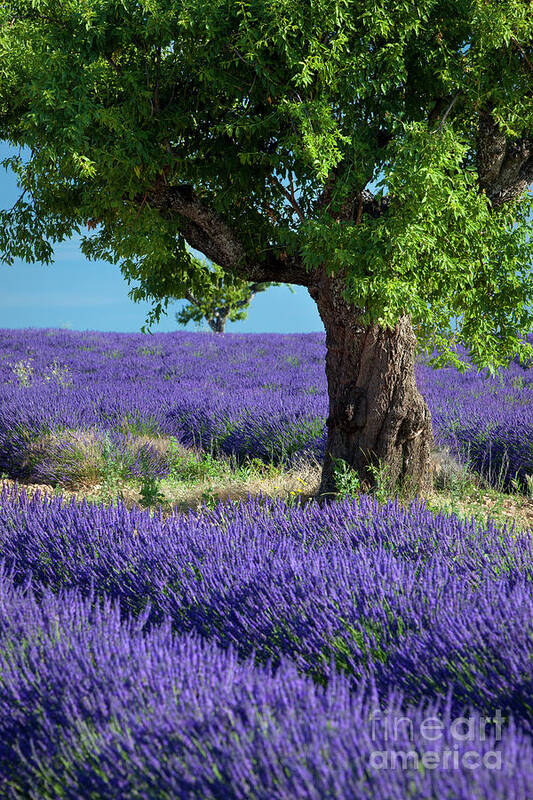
column 93, row 706
column 248, row 395
column 488, row 423
column 412, row 600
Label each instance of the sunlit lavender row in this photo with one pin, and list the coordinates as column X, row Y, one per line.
column 248, row 395
column 92, row 706
column 408, row 598
column 300, row 634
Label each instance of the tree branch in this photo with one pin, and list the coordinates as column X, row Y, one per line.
column 290, row 197
column 223, row 244
column 368, row 204
column 251, row 295
column 519, row 46
column 191, row 298
column 254, row 288
column 205, row 230
column 446, row 113
column 325, row 198
column 364, row 198
column 505, row 167
column 359, row 209
column 154, row 104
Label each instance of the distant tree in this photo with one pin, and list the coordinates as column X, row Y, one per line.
column 218, row 296
column 223, row 298
column 377, row 152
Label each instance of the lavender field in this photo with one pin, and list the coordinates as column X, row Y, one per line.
column 264, row 649
column 249, row 395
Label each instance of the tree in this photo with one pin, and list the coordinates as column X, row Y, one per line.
column 378, row 153
column 223, row 298
column 221, row 301
column 217, row 296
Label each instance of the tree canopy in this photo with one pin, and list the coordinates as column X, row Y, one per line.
column 253, row 131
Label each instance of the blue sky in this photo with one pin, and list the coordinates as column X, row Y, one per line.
column 92, row 295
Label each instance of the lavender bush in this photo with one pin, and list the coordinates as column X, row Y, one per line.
column 401, row 596
column 247, row 395
column 92, row 706
column 488, row 422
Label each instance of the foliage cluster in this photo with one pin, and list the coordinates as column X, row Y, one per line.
column 223, row 298
column 245, row 129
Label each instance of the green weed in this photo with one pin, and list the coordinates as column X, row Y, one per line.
column 346, row 479
column 112, row 470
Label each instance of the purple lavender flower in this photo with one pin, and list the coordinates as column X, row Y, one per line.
column 95, row 705
column 247, row 395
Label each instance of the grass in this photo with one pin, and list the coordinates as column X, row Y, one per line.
column 473, row 498
column 198, row 479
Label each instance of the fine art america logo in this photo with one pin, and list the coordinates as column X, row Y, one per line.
column 438, row 745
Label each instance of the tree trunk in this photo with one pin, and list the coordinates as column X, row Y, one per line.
column 217, row 324
column 377, row 418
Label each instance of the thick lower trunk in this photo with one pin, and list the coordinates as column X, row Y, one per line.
column 378, row 422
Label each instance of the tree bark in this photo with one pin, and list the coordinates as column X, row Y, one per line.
column 505, row 166
column 376, row 414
